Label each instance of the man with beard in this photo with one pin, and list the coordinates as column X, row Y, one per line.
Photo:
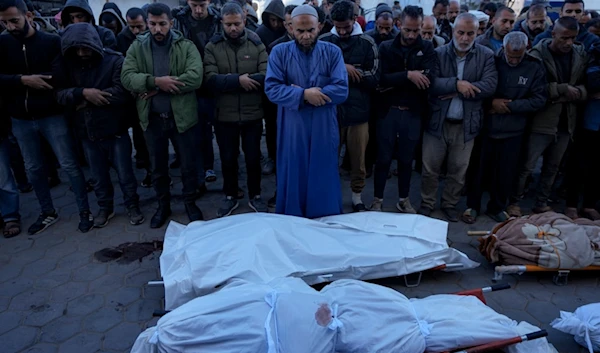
column 453, row 10
column 428, row 32
column 164, row 70
column 136, row 25
column 384, row 25
column 534, row 24
column 493, row 37
column 465, row 76
column 199, row 22
column 76, row 11
column 440, row 12
column 95, row 98
column 307, row 79
column 28, row 61
column 407, row 63
column 521, row 92
column 362, row 63
column 235, row 67
column 552, row 127
column 574, row 9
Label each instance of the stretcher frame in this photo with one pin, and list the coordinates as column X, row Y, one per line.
column 561, row 278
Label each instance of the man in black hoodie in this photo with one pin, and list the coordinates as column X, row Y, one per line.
column 94, row 98
column 272, row 26
column 76, row 11
column 28, row 61
column 199, row 22
column 287, row 23
column 111, row 18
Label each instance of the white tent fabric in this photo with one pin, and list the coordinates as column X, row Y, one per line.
column 584, row 324
column 204, row 256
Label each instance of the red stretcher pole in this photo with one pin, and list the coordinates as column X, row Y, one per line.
column 478, row 293
column 504, row 343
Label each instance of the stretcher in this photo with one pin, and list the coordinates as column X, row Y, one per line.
column 561, row 278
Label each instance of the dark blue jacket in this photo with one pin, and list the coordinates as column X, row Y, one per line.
column 584, row 37
column 591, row 120
column 106, row 36
column 102, row 72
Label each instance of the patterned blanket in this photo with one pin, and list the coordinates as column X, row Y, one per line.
column 549, row 240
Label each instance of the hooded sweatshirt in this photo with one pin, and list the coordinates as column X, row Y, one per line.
column 102, row 72
column 106, row 36
column 111, row 9
column 265, row 32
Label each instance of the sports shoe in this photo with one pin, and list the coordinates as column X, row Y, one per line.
column 227, row 207
column 147, row 182
column 404, row 206
column 514, row 210
column 86, row 222
column 425, row 211
column 451, row 214
column 359, row 207
column 541, row 207
column 210, row 176
column 258, row 205
column 44, row 221
column 135, row 215
column 268, row 166
column 101, row 220
column 376, row 205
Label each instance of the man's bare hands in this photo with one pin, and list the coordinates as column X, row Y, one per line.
column 420, row 80
column 499, row 106
column 248, row 84
column 36, row 81
column 168, row 84
column 315, row 97
column 573, row 93
column 353, row 74
column 96, row 96
column 467, row 89
column 148, row 95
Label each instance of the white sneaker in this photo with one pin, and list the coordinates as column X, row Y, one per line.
column 376, row 205
column 404, row 206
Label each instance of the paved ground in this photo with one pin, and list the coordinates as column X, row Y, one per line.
column 54, row 297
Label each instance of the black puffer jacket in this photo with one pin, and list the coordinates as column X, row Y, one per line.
column 38, row 54
column 184, row 23
column 106, row 36
column 124, row 40
column 395, row 65
column 102, row 72
column 525, row 85
column 361, row 52
column 265, row 32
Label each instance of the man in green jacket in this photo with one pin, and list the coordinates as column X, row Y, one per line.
column 553, row 126
column 163, row 69
column 236, row 64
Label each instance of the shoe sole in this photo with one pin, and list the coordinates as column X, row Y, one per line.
column 255, row 210
column 110, row 216
column 46, row 227
column 237, row 204
column 138, row 223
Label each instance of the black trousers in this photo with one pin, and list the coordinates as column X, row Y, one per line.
column 583, row 167
column 228, row 139
column 157, row 136
column 270, row 127
column 397, row 136
column 498, row 163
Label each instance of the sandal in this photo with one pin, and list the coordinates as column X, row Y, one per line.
column 469, row 216
column 499, row 217
column 12, row 229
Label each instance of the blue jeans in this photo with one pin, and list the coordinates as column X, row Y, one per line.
column 9, row 195
column 101, row 155
column 56, row 132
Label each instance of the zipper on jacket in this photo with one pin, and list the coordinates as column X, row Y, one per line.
column 239, row 96
column 27, row 67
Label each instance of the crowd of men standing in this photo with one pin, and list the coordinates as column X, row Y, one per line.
column 476, row 110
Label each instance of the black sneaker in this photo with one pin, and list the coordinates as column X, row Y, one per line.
column 227, row 207
column 86, row 222
column 147, row 182
column 101, row 220
column 135, row 215
column 258, row 205
column 44, row 221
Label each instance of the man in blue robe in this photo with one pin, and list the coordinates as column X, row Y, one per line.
column 307, row 79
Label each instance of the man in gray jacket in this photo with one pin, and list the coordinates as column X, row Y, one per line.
column 521, row 92
column 465, row 76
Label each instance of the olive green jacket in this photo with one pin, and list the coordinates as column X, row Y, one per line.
column 186, row 65
column 225, row 61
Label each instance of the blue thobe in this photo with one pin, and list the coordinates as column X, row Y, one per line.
column 308, row 181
